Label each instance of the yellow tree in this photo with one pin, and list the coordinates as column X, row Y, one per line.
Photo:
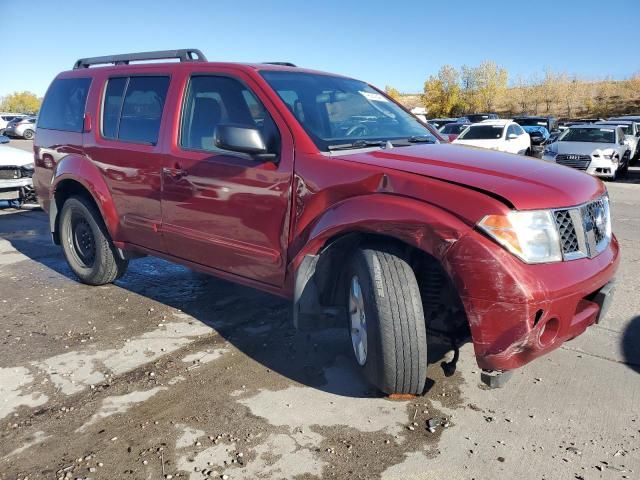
column 491, row 84
column 21, row 102
column 442, row 92
column 392, row 92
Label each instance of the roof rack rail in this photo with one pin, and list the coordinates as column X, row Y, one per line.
column 184, row 55
column 284, row 64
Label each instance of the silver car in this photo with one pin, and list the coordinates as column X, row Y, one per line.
column 6, row 117
column 16, row 171
column 22, row 128
column 600, row 150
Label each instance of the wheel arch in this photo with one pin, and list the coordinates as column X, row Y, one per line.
column 422, row 237
column 77, row 176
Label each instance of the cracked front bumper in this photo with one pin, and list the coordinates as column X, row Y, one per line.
column 525, row 311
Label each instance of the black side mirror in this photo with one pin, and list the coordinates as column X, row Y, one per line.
column 243, row 139
column 4, row 139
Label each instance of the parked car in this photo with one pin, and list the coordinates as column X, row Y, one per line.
column 599, row 150
column 440, row 122
column 548, row 122
column 321, row 189
column 631, row 134
column 5, row 118
column 632, row 118
column 502, row 135
column 24, row 127
column 539, row 137
column 452, row 130
column 479, row 117
column 16, row 171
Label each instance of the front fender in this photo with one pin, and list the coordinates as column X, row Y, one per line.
column 78, row 169
column 411, row 221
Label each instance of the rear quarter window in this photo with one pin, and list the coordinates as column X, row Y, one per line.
column 64, row 104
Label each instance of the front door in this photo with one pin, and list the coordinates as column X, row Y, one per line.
column 223, row 209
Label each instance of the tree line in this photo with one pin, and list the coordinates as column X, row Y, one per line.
column 21, row 102
column 453, row 92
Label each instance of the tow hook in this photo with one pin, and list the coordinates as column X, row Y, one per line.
column 495, row 378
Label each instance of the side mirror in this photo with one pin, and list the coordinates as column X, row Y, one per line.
column 512, row 136
column 4, row 139
column 243, row 139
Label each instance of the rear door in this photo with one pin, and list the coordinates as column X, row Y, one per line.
column 222, row 209
column 125, row 148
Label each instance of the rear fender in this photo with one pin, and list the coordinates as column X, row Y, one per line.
column 80, row 170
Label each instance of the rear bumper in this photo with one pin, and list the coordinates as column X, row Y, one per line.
column 527, row 311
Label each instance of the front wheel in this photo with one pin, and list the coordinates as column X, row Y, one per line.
column 386, row 321
column 87, row 245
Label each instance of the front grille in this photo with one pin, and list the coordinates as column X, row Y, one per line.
column 583, row 229
column 10, row 173
column 581, row 162
column 568, row 236
column 591, row 212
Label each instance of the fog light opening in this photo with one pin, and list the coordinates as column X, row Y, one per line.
column 549, row 331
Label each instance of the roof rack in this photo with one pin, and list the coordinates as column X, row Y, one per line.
column 284, row 64
column 184, row 55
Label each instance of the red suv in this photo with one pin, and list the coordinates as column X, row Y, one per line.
column 322, row 189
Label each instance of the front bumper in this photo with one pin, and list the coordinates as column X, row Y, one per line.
column 15, row 189
column 526, row 311
column 598, row 166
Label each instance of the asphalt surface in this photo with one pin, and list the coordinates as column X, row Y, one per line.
column 169, row 373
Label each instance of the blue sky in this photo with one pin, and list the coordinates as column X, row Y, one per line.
column 397, row 43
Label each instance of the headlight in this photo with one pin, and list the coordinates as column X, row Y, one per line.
column 531, row 235
column 607, row 154
column 29, row 166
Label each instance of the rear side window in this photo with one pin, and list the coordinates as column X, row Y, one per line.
column 63, row 107
column 132, row 108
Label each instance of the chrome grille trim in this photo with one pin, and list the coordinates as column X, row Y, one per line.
column 580, row 162
column 583, row 229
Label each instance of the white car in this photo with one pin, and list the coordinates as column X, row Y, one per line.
column 631, row 133
column 599, row 150
column 16, row 170
column 501, row 135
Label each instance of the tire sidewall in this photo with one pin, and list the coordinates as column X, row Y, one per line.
column 28, row 134
column 75, row 206
column 361, row 265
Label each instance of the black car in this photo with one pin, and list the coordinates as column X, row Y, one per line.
column 549, row 122
column 478, row 117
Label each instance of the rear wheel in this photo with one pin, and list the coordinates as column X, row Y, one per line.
column 28, row 134
column 87, row 245
column 386, row 321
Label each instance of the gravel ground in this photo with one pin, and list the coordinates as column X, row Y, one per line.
column 176, row 374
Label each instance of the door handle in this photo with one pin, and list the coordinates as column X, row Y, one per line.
column 175, row 173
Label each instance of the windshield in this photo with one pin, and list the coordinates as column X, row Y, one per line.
column 625, row 127
column 482, row 132
column 338, row 111
column 593, row 135
column 453, row 128
column 524, row 122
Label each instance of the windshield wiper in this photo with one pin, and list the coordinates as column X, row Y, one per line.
column 421, row 139
column 358, row 144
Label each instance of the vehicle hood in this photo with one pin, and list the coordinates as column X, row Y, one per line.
column 11, row 156
column 489, row 143
column 583, row 148
column 526, row 183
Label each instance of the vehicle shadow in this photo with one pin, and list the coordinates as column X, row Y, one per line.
column 256, row 323
column 630, row 344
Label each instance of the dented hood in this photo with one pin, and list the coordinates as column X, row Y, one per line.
column 522, row 182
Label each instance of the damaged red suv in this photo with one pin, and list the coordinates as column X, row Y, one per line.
column 322, row 189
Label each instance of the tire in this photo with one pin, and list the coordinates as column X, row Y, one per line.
column 86, row 243
column 395, row 357
column 28, row 134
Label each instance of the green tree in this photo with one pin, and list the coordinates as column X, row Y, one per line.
column 393, row 92
column 21, row 102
